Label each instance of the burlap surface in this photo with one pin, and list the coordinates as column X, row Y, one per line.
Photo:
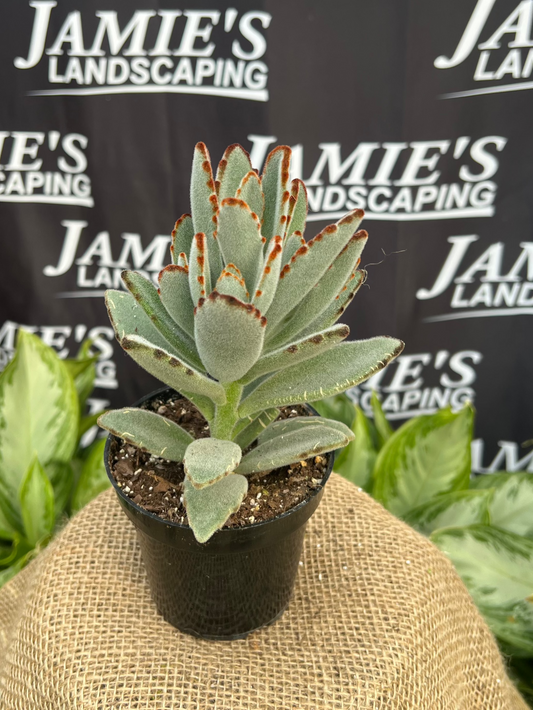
column 379, row 619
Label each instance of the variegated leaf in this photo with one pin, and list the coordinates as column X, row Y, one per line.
column 297, row 214
column 175, row 296
column 146, row 295
column 149, row 431
column 275, row 181
column 296, row 352
column 344, row 366
column 292, row 244
column 233, row 167
column 204, row 205
column 309, row 264
column 232, row 284
column 323, row 293
column 229, row 335
column 292, row 446
column 182, row 235
column 247, row 430
column 170, row 370
column 287, row 426
column 239, row 238
column 208, row 508
column 208, row 460
column 251, row 192
column 37, row 504
column 199, row 270
column 265, row 289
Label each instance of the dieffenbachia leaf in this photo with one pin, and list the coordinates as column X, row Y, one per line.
column 170, row 370
column 204, row 206
column 296, row 352
column 83, row 372
column 334, row 371
column 309, row 264
column 208, row 460
column 199, row 268
column 7, row 530
column 511, row 502
column 231, row 283
column 233, row 167
column 384, row 430
column 512, row 624
column 295, row 444
column 239, row 238
column 297, row 215
column 146, row 295
column 337, row 307
column 219, row 320
column 61, row 476
column 275, row 180
column 39, row 415
column 176, row 297
column 454, row 509
column 247, row 430
column 356, row 461
column 323, row 293
column 208, row 508
column 265, row 289
column 93, row 478
column 293, row 243
column 182, row 235
column 251, row 192
column 149, row 431
column 37, row 504
column 426, row 456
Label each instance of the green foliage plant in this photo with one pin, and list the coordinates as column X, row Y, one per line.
column 45, row 475
column 243, row 323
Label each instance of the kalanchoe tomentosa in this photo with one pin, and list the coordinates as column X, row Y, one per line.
column 244, row 322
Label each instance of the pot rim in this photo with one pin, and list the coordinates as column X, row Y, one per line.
column 181, row 526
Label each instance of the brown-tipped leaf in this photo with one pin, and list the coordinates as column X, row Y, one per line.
column 199, row 271
column 233, row 167
column 239, row 238
column 251, row 192
column 182, row 235
column 297, row 214
column 265, row 289
column 175, row 296
column 275, row 182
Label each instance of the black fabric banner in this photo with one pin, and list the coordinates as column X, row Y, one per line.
column 417, row 111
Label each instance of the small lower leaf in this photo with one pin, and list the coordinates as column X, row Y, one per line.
column 245, row 435
column 208, row 460
column 209, row 508
column 37, row 504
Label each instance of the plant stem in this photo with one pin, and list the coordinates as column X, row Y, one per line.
column 226, row 415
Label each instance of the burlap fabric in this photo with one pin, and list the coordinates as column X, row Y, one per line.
column 379, row 619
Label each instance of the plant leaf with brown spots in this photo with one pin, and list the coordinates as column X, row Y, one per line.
column 297, row 214
column 265, row 290
column 341, row 367
column 231, row 283
column 293, row 243
column 170, row 370
column 233, row 167
column 182, row 235
column 176, row 297
column 337, row 307
column 208, row 460
column 309, row 264
column 199, row 271
column 275, row 182
column 287, row 426
column 297, row 443
column 208, row 508
column 204, row 205
column 239, row 238
column 296, row 352
column 229, row 336
column 245, row 435
column 149, row 431
column 251, row 192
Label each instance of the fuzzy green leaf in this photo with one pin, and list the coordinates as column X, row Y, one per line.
column 239, row 238
column 247, row 430
column 128, row 318
column 208, row 508
column 182, row 235
column 93, row 478
column 383, row 428
column 356, row 462
column 309, row 264
column 323, row 293
column 37, row 504
column 232, row 169
column 170, row 370
column 149, row 431
column 296, row 352
column 176, row 297
column 450, row 510
column 265, row 289
column 208, row 460
column 334, row 371
column 146, row 295
column 426, row 456
column 293, row 243
column 296, row 444
column 511, row 504
column 282, row 427
column 204, row 206
column 275, row 181
column 199, row 269
column 231, row 283
column 229, row 336
column 251, row 192
column 297, row 215
column 337, row 307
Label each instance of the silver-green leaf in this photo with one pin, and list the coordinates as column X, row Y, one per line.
column 232, row 169
column 208, row 508
column 176, row 297
column 239, row 238
column 208, row 460
column 182, row 235
column 275, row 181
column 251, row 192
column 247, row 430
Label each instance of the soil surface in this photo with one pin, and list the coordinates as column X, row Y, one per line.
column 155, row 484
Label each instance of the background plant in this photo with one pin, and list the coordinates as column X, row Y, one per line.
column 243, row 323
column 484, row 524
column 45, row 475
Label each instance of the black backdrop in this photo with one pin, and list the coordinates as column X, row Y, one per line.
column 416, row 110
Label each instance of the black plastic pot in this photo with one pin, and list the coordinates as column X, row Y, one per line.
column 238, row 581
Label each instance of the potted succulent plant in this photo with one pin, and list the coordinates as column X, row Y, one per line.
column 243, row 327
